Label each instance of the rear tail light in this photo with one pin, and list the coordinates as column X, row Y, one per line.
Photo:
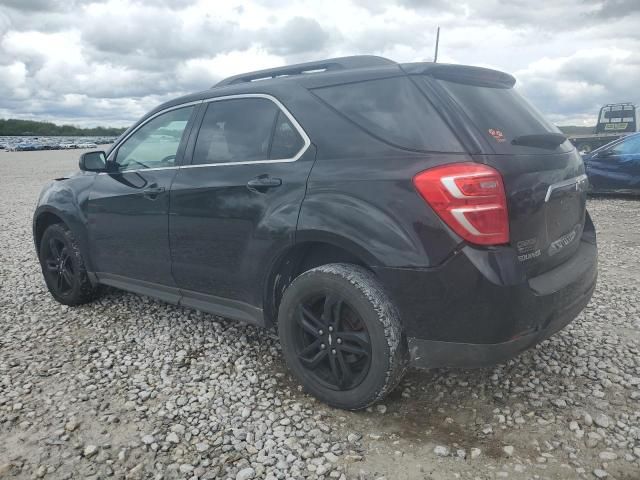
column 470, row 198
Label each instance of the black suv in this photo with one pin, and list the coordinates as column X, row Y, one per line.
column 378, row 214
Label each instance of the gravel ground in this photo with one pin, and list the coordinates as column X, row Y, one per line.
column 128, row 387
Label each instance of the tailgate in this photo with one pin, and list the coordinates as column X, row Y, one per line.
column 544, row 176
column 546, row 198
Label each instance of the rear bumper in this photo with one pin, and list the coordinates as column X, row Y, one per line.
column 468, row 314
column 433, row 354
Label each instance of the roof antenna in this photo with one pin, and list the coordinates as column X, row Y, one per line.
column 435, row 56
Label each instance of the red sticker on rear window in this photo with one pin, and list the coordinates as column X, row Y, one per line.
column 497, row 134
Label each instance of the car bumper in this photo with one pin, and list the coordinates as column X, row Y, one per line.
column 463, row 319
column 432, row 354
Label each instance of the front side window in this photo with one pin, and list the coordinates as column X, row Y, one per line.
column 154, row 145
column 630, row 146
column 244, row 130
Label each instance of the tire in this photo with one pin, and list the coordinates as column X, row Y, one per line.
column 325, row 319
column 63, row 267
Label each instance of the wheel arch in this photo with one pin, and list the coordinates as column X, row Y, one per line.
column 301, row 257
column 49, row 215
column 42, row 220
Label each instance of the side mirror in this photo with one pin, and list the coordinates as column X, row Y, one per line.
column 93, row 162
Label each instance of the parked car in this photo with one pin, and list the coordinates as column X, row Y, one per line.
column 378, row 214
column 615, row 167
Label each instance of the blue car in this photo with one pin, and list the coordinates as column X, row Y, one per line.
column 615, row 167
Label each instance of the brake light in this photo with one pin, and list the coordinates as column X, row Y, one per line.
column 470, row 198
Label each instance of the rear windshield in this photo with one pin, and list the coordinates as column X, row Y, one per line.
column 393, row 110
column 502, row 114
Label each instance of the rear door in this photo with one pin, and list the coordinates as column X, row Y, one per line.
column 544, row 176
column 235, row 204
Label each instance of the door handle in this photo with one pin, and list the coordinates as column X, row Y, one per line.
column 263, row 183
column 153, row 191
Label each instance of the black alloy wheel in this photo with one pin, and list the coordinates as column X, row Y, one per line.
column 59, row 267
column 333, row 343
column 341, row 335
column 63, row 267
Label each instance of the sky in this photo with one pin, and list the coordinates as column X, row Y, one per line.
column 107, row 62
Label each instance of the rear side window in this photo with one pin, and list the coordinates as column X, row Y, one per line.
column 501, row 114
column 287, row 142
column 235, row 131
column 393, row 110
column 244, row 130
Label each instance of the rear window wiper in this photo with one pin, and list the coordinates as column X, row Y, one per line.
column 542, row 140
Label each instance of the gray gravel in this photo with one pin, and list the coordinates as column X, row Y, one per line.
column 128, row 387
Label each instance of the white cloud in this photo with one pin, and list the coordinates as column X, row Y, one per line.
column 13, row 80
column 207, row 71
column 573, row 87
column 108, row 61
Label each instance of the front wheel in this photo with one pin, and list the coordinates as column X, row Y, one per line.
column 341, row 336
column 63, row 266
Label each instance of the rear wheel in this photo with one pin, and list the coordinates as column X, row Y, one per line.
column 341, row 336
column 63, row 266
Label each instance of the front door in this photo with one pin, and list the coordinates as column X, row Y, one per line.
column 235, row 207
column 129, row 205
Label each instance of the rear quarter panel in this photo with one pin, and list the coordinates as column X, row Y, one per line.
column 360, row 194
column 369, row 206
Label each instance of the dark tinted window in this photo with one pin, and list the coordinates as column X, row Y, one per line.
column 287, row 142
column 394, row 110
column 501, row 114
column 236, row 131
column 155, row 144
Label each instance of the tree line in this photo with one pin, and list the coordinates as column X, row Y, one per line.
column 575, row 130
column 15, row 127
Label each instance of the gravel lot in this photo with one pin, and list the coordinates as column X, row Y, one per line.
column 133, row 388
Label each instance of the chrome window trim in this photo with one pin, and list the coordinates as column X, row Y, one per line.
column 283, row 109
column 565, row 183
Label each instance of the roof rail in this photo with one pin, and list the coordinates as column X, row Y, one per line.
column 619, row 104
column 341, row 63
